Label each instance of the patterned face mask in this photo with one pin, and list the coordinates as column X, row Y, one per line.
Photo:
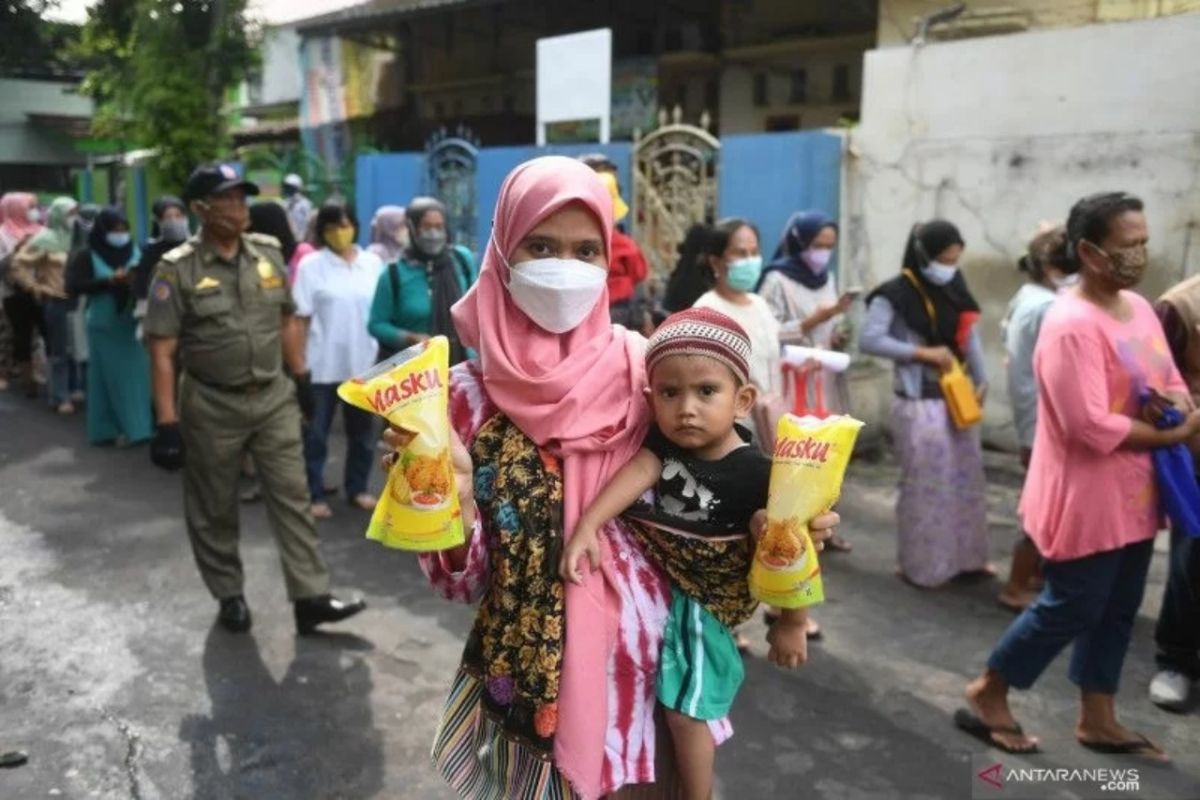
column 1128, row 265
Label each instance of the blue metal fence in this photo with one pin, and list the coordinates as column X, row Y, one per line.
column 763, row 177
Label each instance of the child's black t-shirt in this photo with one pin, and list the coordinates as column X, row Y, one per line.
column 706, row 498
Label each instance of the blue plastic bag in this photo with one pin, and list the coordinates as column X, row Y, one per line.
column 1178, row 492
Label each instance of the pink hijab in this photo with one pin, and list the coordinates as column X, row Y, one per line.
column 580, row 395
column 14, row 208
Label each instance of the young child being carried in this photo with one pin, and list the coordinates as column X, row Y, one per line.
column 710, row 494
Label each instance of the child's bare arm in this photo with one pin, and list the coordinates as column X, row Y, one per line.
column 631, row 482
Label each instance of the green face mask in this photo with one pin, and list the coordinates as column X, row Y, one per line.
column 744, row 273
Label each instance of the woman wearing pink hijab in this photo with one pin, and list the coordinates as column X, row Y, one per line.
column 21, row 313
column 553, row 406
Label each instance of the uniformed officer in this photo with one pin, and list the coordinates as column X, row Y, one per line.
column 220, row 302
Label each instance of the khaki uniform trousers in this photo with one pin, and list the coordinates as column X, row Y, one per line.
column 219, row 426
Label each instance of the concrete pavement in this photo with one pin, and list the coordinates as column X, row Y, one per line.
column 115, row 681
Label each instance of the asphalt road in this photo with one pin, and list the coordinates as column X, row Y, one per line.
column 115, row 681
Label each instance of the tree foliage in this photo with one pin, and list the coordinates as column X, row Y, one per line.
column 160, row 71
column 30, row 44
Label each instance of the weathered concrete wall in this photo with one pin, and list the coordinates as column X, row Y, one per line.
column 998, row 134
column 897, row 18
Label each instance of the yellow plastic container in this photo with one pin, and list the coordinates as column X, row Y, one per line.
column 419, row 509
column 961, row 400
column 809, row 462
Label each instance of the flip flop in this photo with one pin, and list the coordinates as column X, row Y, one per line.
column 1140, row 746
column 972, row 725
column 13, row 758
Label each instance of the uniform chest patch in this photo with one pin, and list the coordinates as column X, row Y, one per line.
column 161, row 290
column 268, row 278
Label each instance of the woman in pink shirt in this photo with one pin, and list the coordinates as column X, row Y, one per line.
column 1090, row 503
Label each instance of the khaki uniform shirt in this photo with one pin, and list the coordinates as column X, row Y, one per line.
column 227, row 315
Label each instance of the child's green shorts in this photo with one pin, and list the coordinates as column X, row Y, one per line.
column 701, row 669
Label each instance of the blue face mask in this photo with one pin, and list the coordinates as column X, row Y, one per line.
column 939, row 274
column 117, row 239
column 744, row 273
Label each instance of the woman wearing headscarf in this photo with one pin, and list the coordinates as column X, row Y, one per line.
column 555, row 694
column 84, row 221
column 415, row 293
column 168, row 231
column 799, row 285
column 118, row 409
column 39, row 268
column 389, row 233
column 77, row 317
column 941, row 514
column 21, row 221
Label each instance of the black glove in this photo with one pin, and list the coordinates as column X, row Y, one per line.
column 304, row 396
column 166, row 448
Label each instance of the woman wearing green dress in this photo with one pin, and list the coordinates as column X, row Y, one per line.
column 416, row 292
column 118, row 407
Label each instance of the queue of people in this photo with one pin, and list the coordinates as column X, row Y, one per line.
column 549, row 382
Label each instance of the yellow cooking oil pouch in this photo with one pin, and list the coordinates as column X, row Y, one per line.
column 807, row 467
column 419, row 509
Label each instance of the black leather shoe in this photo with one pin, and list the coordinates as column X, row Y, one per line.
column 234, row 615
column 314, row 611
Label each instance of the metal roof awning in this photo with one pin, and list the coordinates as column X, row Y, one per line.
column 373, row 12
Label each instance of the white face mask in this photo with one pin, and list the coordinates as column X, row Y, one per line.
column 1065, row 282
column 556, row 293
column 939, row 274
column 35, row 215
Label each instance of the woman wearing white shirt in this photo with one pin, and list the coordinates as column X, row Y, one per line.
column 333, row 292
column 736, row 263
column 732, row 253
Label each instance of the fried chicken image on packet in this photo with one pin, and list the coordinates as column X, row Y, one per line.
column 807, row 468
column 419, row 509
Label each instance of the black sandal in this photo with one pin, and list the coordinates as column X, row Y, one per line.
column 1140, row 746
column 972, row 725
